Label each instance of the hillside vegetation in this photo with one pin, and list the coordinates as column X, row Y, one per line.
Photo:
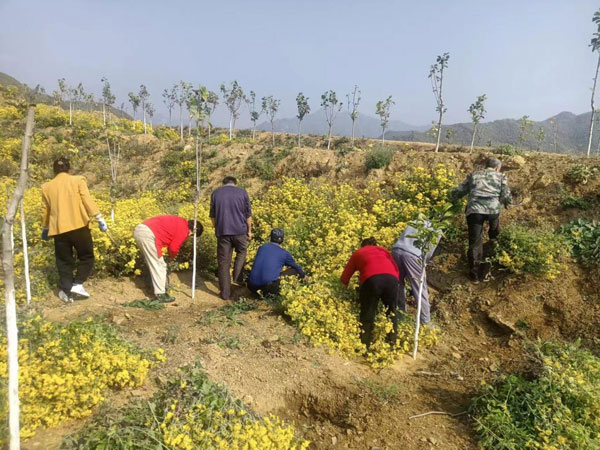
column 311, row 369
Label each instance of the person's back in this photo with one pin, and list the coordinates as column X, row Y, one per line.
column 268, row 263
column 487, row 191
column 67, row 203
column 407, row 242
column 370, row 260
column 230, row 208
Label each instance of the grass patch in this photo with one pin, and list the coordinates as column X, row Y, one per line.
column 379, row 157
column 385, row 393
column 149, row 304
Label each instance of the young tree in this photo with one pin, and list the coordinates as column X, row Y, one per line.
column 9, row 287
column 62, row 91
column 143, row 96
column 353, row 102
column 71, row 95
column 554, row 127
column 108, row 99
column 90, row 101
column 114, row 156
column 331, row 106
column 270, row 105
column 197, row 106
column 123, row 109
column 382, row 109
column 449, row 135
column 524, row 126
column 182, row 91
column 477, row 111
column 212, row 100
column 595, row 44
column 134, row 100
column 254, row 114
column 436, row 75
column 303, row 110
column 233, row 96
column 540, row 137
column 169, row 98
column 150, row 111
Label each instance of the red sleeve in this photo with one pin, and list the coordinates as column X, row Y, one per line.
column 349, row 270
column 178, row 239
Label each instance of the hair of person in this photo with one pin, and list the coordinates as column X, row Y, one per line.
column 61, row 165
column 199, row 227
column 368, row 241
column 230, row 180
column 493, row 163
column 277, row 235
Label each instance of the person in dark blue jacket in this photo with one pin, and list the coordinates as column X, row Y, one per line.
column 268, row 264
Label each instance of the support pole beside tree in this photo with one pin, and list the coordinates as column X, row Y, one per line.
column 25, row 252
column 9, row 287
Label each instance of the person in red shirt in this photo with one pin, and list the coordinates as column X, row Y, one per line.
column 378, row 279
column 152, row 236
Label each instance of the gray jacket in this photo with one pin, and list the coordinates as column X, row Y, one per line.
column 407, row 243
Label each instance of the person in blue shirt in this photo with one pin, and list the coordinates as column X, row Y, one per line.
column 268, row 264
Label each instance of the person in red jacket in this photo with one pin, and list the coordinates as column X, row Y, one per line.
column 378, row 281
column 152, row 236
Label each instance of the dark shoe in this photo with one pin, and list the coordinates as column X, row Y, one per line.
column 165, row 298
column 474, row 278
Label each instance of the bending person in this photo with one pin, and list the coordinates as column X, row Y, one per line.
column 152, row 236
column 67, row 209
column 408, row 258
column 267, row 268
column 378, row 281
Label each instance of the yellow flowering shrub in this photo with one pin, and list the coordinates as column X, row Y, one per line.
column 65, row 370
column 189, row 412
column 324, row 224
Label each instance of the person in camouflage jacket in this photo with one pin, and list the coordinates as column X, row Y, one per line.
column 487, row 191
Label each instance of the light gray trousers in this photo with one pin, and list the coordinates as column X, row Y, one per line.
column 410, row 267
column 146, row 242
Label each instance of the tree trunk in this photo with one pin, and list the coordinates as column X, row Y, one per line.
column 196, row 200
column 181, row 122
column 144, row 114
column 25, row 254
column 190, row 126
column 329, row 137
column 419, row 298
column 593, row 108
column 253, row 131
column 439, row 133
column 230, row 126
column 352, row 133
column 104, row 113
column 209, row 128
column 383, row 135
column 273, row 134
column 70, row 113
column 299, row 125
column 9, row 288
column 473, row 138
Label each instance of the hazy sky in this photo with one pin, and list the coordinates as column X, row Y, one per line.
column 530, row 57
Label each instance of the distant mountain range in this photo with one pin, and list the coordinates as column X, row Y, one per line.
column 366, row 126
column 563, row 133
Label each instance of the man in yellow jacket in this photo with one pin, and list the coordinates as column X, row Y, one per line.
column 67, row 209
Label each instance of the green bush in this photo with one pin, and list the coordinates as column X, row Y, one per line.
column 555, row 406
column 581, row 173
column 570, row 201
column 379, row 157
column 508, row 150
column 520, row 250
column 584, row 238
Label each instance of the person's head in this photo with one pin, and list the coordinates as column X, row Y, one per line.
column 277, row 236
column 61, row 165
column 199, row 228
column 230, row 180
column 368, row 241
column 493, row 163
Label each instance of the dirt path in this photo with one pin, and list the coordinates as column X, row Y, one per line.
column 264, row 361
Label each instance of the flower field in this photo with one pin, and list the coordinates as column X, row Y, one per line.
column 66, row 370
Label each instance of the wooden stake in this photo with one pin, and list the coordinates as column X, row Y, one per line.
column 9, row 288
column 196, row 200
column 418, row 320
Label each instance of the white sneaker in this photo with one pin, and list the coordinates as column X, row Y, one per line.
column 79, row 290
column 65, row 297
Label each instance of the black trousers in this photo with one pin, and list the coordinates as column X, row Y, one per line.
column 225, row 247
column 475, row 254
column 382, row 287
column 79, row 240
column 272, row 288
